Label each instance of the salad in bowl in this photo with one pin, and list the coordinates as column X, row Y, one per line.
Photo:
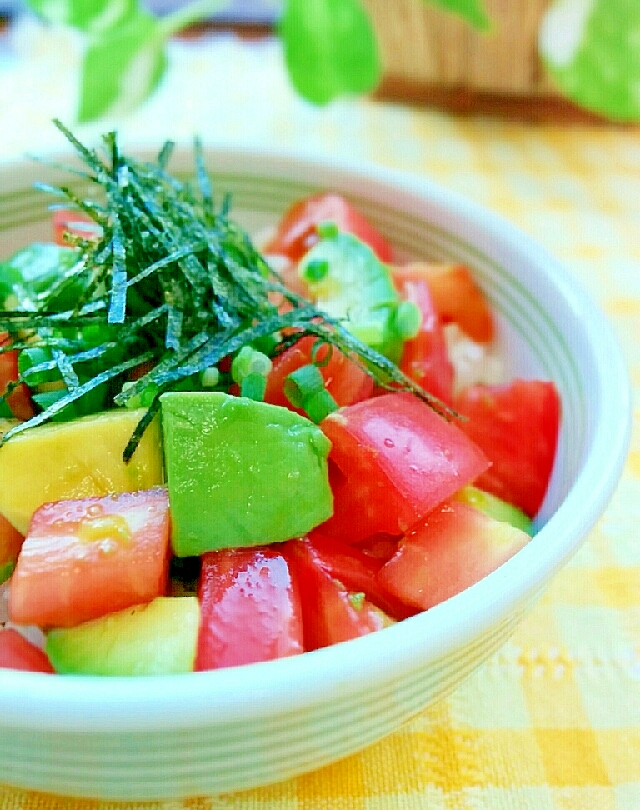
column 239, row 462
column 283, row 491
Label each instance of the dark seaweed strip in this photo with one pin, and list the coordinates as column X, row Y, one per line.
column 168, row 362
column 204, row 184
column 67, row 372
column 140, row 428
column 118, row 300
column 184, row 284
column 76, row 393
column 174, row 327
column 75, row 359
column 14, row 321
column 166, row 261
column 164, row 155
column 89, row 156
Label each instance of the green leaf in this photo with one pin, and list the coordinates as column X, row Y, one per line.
column 91, row 16
column 472, row 10
column 591, row 48
column 121, row 68
column 330, row 48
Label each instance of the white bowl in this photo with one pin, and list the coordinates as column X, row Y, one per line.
column 213, row 732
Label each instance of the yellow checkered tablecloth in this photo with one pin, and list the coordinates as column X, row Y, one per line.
column 552, row 721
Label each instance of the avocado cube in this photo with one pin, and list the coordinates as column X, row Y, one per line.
column 241, row 472
column 77, row 459
column 157, row 638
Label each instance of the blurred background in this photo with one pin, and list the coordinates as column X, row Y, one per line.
column 539, row 60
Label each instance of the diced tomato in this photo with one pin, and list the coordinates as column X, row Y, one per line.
column 344, row 379
column 393, row 459
column 454, row 547
column 380, row 546
column 17, row 652
column 139, row 371
column 297, row 231
column 424, row 357
column 10, row 545
column 456, row 296
column 82, row 559
column 77, row 223
column 250, row 608
column 354, row 569
column 330, row 612
column 19, row 401
column 517, row 426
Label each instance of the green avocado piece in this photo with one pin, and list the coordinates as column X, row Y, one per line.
column 496, row 508
column 158, row 638
column 6, row 569
column 346, row 280
column 77, row 459
column 241, row 472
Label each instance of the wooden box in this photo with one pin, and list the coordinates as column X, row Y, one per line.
column 431, row 55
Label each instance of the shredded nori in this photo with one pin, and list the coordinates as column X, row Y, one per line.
column 173, row 285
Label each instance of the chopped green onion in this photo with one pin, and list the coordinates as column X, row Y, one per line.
column 327, row 230
column 319, row 406
column 253, row 386
column 304, row 388
column 250, row 369
column 210, row 377
column 249, row 361
column 46, row 399
column 141, row 399
column 37, row 366
column 317, row 347
column 316, row 270
column 303, row 383
column 407, row 320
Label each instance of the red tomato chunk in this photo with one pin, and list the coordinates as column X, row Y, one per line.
column 517, row 426
column 10, row 542
column 73, row 223
column 17, row 652
column 354, row 569
column 456, row 296
column 393, row 460
column 297, row 231
column 331, row 613
column 344, row 380
column 424, row 358
column 82, row 559
column 19, row 400
column 250, row 608
column 453, row 548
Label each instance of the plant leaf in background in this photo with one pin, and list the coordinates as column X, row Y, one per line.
column 124, row 58
column 330, row 48
column 86, row 15
column 472, row 10
column 591, row 48
column 121, row 67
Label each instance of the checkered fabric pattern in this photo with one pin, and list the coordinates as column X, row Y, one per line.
column 552, row 721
